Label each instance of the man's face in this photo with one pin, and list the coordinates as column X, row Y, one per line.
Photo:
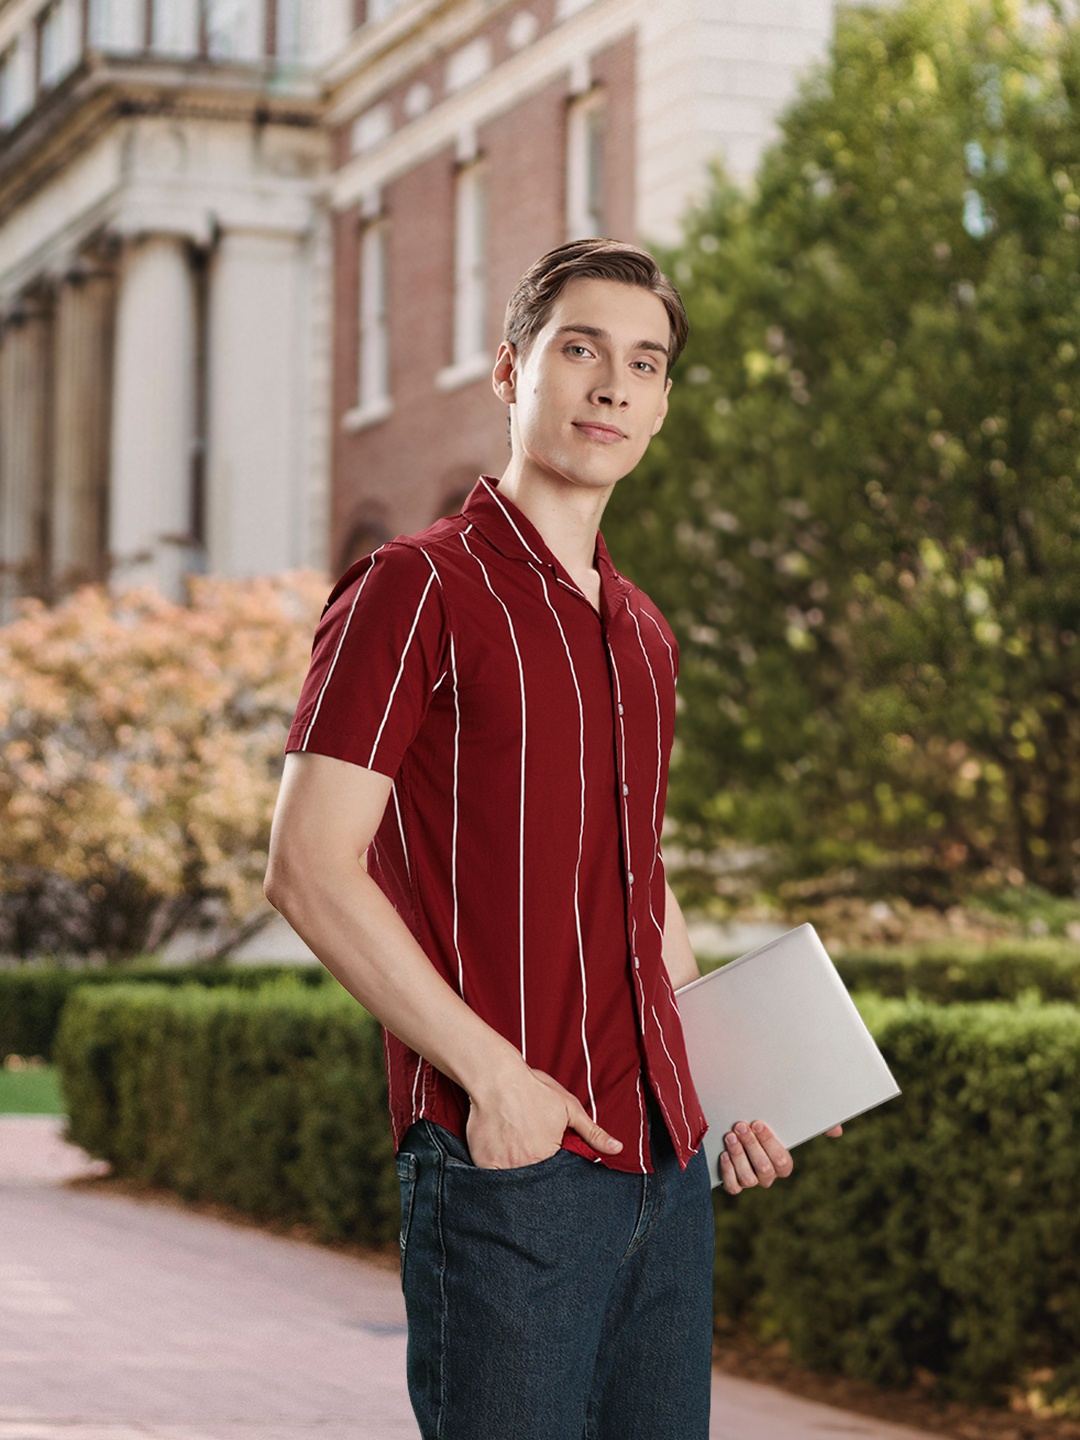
column 591, row 391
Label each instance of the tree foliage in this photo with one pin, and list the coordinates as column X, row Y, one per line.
column 140, row 751
column 863, row 513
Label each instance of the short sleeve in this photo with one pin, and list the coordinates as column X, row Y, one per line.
column 378, row 655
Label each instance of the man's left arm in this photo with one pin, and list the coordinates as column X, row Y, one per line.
column 682, row 967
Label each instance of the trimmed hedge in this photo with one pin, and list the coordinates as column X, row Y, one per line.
column 272, row 1100
column 942, row 1232
column 948, row 972
column 951, row 971
column 33, row 996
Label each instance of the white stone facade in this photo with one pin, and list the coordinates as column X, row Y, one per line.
column 164, row 260
column 713, row 75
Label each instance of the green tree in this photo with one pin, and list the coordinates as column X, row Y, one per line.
column 863, row 513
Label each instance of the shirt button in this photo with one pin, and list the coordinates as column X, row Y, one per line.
column 630, row 878
column 626, row 789
column 637, row 963
column 621, row 711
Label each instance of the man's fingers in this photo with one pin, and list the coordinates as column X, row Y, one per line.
column 728, row 1179
column 580, row 1121
column 597, row 1137
column 779, row 1157
column 755, row 1156
column 744, row 1173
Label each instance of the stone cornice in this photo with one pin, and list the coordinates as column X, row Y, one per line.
column 100, row 92
column 381, row 54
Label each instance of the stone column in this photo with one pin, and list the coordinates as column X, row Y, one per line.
column 84, row 346
column 258, row 378
column 25, row 380
column 153, row 417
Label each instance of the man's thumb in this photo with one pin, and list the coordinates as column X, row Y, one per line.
column 592, row 1133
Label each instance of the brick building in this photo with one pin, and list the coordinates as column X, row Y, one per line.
column 468, row 137
column 253, row 253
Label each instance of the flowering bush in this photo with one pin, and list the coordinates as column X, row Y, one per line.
column 140, row 751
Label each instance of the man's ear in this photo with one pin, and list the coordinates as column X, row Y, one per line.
column 504, row 375
column 663, row 409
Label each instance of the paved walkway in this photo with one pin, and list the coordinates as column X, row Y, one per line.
column 123, row 1319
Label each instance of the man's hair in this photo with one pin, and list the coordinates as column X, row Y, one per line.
column 532, row 302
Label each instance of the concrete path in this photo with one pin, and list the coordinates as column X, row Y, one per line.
column 124, row 1319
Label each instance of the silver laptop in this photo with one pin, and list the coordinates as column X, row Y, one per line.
column 775, row 1036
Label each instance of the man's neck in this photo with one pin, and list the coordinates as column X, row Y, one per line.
column 567, row 517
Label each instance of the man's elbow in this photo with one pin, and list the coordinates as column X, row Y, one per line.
column 280, row 882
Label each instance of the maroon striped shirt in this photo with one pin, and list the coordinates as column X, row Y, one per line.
column 527, row 737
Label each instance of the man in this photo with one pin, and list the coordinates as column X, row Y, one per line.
column 468, row 836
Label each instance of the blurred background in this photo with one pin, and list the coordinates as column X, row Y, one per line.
column 253, row 259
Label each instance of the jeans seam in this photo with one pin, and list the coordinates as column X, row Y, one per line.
column 446, row 1156
column 639, row 1235
column 441, row 1174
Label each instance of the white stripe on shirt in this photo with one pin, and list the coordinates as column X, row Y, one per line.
column 451, row 670
column 678, row 1082
column 401, row 671
column 521, row 799
column 581, row 843
column 652, row 871
column 337, row 652
column 663, row 637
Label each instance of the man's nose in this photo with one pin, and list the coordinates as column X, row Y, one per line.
column 609, row 392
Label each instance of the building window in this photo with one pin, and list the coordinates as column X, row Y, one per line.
column 60, row 39
column 15, row 85
column 585, row 168
column 291, row 41
column 234, row 29
column 469, row 227
column 118, row 26
column 175, row 27
column 374, row 389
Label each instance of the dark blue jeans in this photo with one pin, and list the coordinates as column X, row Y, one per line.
column 560, row 1301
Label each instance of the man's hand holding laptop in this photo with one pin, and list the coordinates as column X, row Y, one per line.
column 752, row 1155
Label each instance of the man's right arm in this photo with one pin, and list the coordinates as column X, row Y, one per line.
column 327, row 814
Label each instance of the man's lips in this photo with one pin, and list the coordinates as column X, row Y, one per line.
column 598, row 431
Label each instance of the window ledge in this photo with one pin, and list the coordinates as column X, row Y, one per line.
column 361, row 416
column 464, row 372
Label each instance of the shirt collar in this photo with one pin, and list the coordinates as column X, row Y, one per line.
column 505, row 527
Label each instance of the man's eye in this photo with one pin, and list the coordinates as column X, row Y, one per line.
column 646, row 365
column 577, row 350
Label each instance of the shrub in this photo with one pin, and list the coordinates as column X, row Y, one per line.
column 272, row 1100
column 941, row 1233
column 140, row 751
column 948, row 973
column 32, row 998
column 955, row 971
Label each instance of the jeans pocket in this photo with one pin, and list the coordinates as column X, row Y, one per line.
column 452, row 1150
column 544, row 1169
column 406, row 1169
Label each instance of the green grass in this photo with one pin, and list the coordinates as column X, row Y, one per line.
column 31, row 1092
